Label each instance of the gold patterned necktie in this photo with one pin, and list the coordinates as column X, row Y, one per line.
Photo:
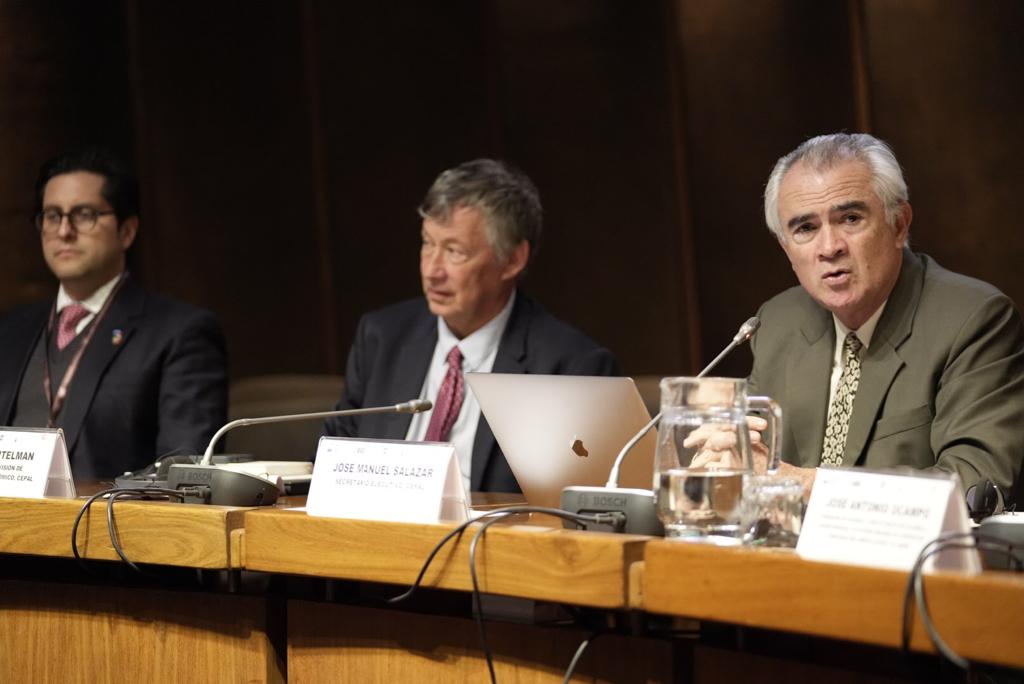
column 839, row 412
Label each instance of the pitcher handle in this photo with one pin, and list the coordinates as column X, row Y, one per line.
column 773, row 412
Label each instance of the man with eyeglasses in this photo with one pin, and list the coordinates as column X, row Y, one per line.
column 881, row 357
column 129, row 375
column 481, row 225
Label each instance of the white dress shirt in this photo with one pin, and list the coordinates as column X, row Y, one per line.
column 94, row 302
column 864, row 334
column 479, row 350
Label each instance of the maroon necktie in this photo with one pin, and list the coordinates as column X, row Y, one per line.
column 449, row 400
column 70, row 316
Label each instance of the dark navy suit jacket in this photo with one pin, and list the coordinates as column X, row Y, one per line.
column 158, row 386
column 391, row 354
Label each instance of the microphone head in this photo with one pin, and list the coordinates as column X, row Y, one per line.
column 747, row 330
column 414, row 406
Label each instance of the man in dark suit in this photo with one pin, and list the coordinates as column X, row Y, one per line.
column 127, row 374
column 881, row 357
column 481, row 224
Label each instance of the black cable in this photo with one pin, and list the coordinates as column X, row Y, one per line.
column 934, row 546
column 579, row 654
column 112, row 528
column 426, row 564
column 979, row 542
column 477, row 600
column 505, row 512
column 909, row 591
column 478, row 609
column 915, row 588
column 113, row 494
column 496, row 515
column 74, row 527
column 134, row 493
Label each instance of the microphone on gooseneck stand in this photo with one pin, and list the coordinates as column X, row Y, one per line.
column 637, row 505
column 745, row 332
column 223, row 486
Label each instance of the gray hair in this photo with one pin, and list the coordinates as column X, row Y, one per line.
column 825, row 152
column 506, row 197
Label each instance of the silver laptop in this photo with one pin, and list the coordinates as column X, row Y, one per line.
column 562, row 430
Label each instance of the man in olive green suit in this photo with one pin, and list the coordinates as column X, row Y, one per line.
column 881, row 357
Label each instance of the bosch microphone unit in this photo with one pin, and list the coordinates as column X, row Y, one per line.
column 637, row 505
column 224, row 487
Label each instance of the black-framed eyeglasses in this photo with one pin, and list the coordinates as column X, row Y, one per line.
column 83, row 219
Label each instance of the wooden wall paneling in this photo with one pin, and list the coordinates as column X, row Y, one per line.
column 711, row 664
column 404, row 97
column 588, row 114
column 74, row 633
column 948, row 93
column 687, row 280
column 229, row 210
column 63, row 83
column 859, row 65
column 346, row 643
column 321, row 201
column 758, row 78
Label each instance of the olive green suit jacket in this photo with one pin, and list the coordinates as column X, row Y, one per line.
column 941, row 386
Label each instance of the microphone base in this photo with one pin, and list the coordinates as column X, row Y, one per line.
column 1007, row 527
column 225, row 487
column 636, row 504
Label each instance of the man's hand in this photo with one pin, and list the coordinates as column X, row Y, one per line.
column 805, row 475
column 717, row 445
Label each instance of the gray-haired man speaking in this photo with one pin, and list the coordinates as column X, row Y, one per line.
column 881, row 357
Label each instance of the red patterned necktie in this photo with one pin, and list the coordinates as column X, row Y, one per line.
column 70, row 316
column 449, row 400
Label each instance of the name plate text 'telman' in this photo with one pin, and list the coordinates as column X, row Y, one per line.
column 34, row 464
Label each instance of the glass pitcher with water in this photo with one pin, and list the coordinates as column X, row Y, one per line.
column 704, row 456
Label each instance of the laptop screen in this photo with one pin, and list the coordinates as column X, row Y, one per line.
column 562, row 430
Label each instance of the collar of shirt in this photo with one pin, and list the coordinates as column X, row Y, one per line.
column 864, row 332
column 479, row 351
column 476, row 347
column 93, row 302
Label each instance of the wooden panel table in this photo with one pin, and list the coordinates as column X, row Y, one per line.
column 57, row 623
column 979, row 617
column 535, row 561
column 158, row 532
column 374, row 642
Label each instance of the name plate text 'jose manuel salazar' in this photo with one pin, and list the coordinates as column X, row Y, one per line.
column 376, row 479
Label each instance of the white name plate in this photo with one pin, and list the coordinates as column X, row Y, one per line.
column 375, row 479
column 34, row 464
column 883, row 520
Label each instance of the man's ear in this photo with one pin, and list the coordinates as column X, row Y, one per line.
column 127, row 231
column 904, row 215
column 517, row 261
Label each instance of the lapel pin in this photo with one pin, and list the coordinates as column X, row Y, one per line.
column 117, row 337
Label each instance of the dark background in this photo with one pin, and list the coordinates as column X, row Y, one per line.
column 283, row 147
